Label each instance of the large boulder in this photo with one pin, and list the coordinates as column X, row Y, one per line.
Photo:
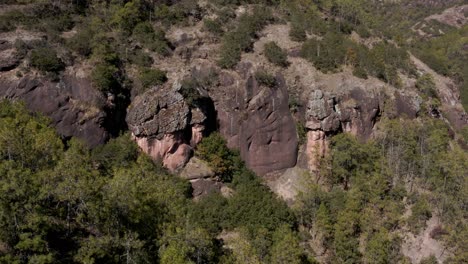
column 165, row 126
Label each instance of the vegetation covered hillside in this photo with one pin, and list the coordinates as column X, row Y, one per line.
column 233, row 131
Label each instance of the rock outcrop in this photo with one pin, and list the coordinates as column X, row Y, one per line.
column 74, row 106
column 196, row 169
column 256, row 120
column 354, row 112
column 165, row 126
column 9, row 58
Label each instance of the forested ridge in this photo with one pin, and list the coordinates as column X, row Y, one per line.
column 387, row 178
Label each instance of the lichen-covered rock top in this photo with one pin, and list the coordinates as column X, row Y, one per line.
column 159, row 111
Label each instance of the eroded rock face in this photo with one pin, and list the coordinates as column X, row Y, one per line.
column 354, row 112
column 9, row 59
column 75, row 110
column 316, row 148
column 165, row 126
column 257, row 121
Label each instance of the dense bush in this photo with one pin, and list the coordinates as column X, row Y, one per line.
column 425, row 84
column 213, row 26
column 239, row 40
column 81, row 42
column 264, row 78
column 420, row 213
column 275, row 54
column 152, row 77
column 140, row 58
column 213, row 149
column 153, row 39
column 9, row 20
column 105, row 77
column 45, row 59
column 178, row 13
column 326, row 55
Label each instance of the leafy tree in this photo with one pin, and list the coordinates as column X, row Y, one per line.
column 128, row 16
column 351, row 159
column 285, row 248
column 81, row 42
column 420, row 213
column 105, row 77
column 378, row 248
column 324, row 221
column 213, row 149
column 346, row 241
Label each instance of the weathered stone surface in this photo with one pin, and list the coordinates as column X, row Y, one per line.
column 157, row 112
column 358, row 112
column 316, row 148
column 171, row 149
column 196, row 169
column 257, row 121
column 8, row 59
column 202, row 187
column 75, row 110
column 197, row 134
column 407, row 106
column 290, row 183
column 354, row 112
column 457, row 117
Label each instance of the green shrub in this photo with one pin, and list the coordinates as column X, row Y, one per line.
column 297, row 32
column 105, row 77
column 21, row 48
column 429, row 260
column 275, row 54
column 214, row 150
column 189, row 91
column 128, row 16
column 153, row 39
column 240, row 39
column 213, row 26
column 421, row 212
column 225, row 15
column 177, row 13
column 45, row 59
column 152, row 77
column 301, row 132
column 81, row 42
column 326, row 55
column 9, row 20
column 140, row 58
column 264, row 78
column 360, row 72
column 425, row 84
